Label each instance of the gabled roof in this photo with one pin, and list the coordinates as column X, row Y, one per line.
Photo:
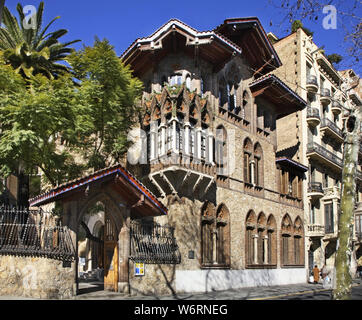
column 212, row 46
column 130, row 186
column 249, row 34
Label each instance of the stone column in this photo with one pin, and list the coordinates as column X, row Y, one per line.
column 252, row 170
column 198, row 143
column 256, row 248
column 174, row 134
column 214, row 245
column 211, row 147
column 163, row 139
column 187, row 139
column 153, row 138
column 124, row 247
column 266, row 250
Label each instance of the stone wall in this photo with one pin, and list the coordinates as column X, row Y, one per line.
column 35, row 277
column 158, row 280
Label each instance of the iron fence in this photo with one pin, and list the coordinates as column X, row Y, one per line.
column 153, row 243
column 29, row 232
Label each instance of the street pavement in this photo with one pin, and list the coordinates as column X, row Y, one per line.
column 305, row 291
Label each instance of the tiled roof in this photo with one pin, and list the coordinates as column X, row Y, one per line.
column 79, row 182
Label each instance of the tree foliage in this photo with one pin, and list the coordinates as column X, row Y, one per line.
column 66, row 126
column 297, row 24
column 108, row 97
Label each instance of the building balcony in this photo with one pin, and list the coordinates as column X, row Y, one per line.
column 313, row 118
column 329, row 128
column 324, row 156
column 325, row 97
column 336, row 107
column 180, row 175
column 315, row 230
column 312, row 84
column 315, row 190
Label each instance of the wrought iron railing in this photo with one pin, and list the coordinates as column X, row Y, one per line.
column 315, row 187
column 316, row 228
column 315, row 147
column 330, row 124
column 153, row 243
column 312, row 113
column 23, row 232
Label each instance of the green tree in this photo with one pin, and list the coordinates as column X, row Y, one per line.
column 30, row 50
column 66, row 126
column 37, row 125
column 297, row 24
column 108, row 96
column 334, row 58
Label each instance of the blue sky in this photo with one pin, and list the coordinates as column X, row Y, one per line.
column 121, row 22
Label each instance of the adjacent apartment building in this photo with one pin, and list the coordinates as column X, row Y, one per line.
column 210, row 120
column 316, row 137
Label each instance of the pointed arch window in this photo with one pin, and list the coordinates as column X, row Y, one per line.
column 221, row 150
column 250, row 237
column 215, row 235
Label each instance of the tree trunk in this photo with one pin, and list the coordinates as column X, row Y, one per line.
column 2, row 3
column 343, row 285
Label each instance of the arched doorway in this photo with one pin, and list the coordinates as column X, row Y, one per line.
column 97, row 250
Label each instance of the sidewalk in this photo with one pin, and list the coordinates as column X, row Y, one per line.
column 255, row 293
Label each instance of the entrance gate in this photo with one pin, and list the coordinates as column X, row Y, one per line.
column 110, row 255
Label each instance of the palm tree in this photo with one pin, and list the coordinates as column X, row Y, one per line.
column 30, row 50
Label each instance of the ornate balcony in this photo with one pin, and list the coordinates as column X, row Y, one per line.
column 315, row 190
column 328, row 127
column 336, row 107
column 313, row 118
column 312, row 84
column 315, row 230
column 325, row 96
column 322, row 155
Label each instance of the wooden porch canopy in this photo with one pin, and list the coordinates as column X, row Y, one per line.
column 176, row 36
column 249, row 35
column 138, row 198
column 276, row 91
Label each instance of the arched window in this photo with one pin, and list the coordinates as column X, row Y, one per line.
column 286, row 240
column 262, row 239
column 258, row 165
column 248, row 150
column 207, row 223
column 246, row 108
column 188, row 82
column 272, row 240
column 250, row 237
column 223, row 96
column 221, row 150
column 176, row 80
column 223, row 235
column 298, row 241
column 215, row 235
